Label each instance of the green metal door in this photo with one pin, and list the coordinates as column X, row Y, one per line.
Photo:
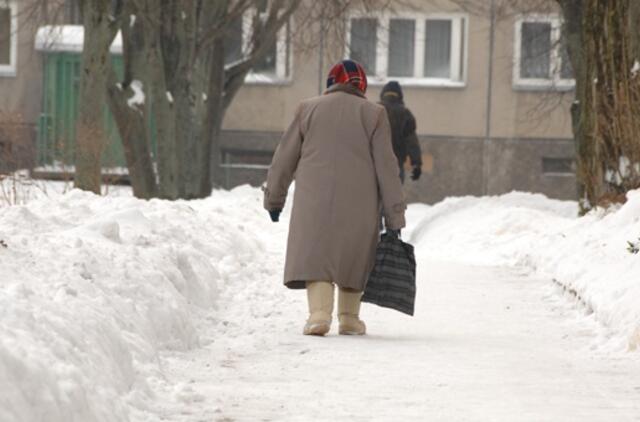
column 56, row 127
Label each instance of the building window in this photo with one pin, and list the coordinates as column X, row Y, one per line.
column 72, row 12
column 554, row 166
column 541, row 58
column 8, row 37
column 363, row 42
column 233, row 42
column 275, row 65
column 414, row 49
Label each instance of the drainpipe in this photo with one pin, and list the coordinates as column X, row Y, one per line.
column 486, row 158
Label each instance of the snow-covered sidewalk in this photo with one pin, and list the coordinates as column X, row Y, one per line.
column 486, row 344
column 116, row 309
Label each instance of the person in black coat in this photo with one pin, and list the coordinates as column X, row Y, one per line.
column 403, row 129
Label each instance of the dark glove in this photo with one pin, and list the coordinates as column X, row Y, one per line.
column 394, row 233
column 275, row 215
column 415, row 174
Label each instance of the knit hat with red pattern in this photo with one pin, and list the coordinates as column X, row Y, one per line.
column 348, row 72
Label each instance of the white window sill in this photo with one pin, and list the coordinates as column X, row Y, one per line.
column 266, row 79
column 558, row 174
column 419, row 82
column 544, row 85
column 8, row 72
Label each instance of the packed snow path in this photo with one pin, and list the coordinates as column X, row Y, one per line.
column 486, row 344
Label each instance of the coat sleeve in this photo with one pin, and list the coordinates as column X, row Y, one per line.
column 411, row 141
column 283, row 166
column 386, row 167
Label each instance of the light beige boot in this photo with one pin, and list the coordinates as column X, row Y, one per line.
column 320, row 297
column 349, row 313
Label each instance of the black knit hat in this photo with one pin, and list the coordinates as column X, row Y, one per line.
column 392, row 88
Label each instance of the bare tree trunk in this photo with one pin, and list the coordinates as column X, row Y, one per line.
column 572, row 10
column 132, row 119
column 90, row 132
column 210, row 159
column 162, row 104
column 604, row 45
column 186, row 85
column 617, row 97
column 132, row 126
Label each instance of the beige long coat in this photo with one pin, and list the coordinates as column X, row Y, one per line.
column 339, row 149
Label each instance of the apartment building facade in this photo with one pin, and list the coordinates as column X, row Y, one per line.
column 491, row 119
column 491, row 97
column 19, row 88
column 21, row 75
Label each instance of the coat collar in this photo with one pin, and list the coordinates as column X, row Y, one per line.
column 347, row 88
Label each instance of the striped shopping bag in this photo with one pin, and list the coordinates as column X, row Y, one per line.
column 392, row 283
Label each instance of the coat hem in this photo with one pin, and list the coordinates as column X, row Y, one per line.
column 300, row 283
column 296, row 284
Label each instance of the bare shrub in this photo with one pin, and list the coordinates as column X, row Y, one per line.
column 17, row 154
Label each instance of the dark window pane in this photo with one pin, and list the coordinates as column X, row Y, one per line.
column 5, row 36
column 566, row 70
column 72, row 12
column 268, row 63
column 363, row 43
column 535, row 50
column 233, row 42
column 401, row 47
column 262, row 6
column 558, row 165
column 437, row 57
column 287, row 70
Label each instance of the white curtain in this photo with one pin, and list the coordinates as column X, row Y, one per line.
column 535, row 50
column 401, row 47
column 437, row 57
column 363, row 43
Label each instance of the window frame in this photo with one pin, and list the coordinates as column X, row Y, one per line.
column 555, row 80
column 459, row 59
column 11, row 69
column 284, row 52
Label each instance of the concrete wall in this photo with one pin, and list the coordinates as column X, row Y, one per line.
column 453, row 166
column 474, row 166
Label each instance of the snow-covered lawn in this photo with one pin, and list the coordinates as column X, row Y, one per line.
column 116, row 309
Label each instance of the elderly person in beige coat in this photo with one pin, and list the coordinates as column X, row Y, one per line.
column 338, row 148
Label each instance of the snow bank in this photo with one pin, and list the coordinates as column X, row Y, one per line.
column 92, row 288
column 588, row 255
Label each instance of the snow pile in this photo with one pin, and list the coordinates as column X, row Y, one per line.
column 138, row 94
column 588, row 255
column 67, row 38
column 92, row 288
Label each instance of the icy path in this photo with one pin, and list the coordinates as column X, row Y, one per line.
column 487, row 344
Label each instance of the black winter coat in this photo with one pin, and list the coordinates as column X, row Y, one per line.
column 403, row 131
